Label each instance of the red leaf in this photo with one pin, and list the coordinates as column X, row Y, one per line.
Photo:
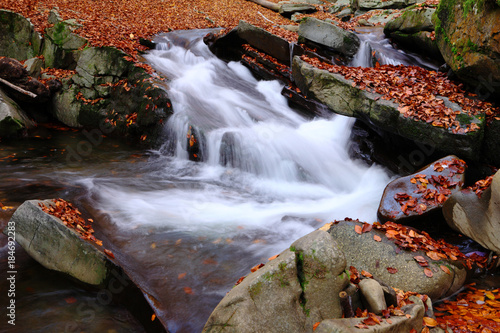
column 392, row 270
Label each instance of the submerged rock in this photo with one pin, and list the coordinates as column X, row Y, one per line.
column 477, row 217
column 412, row 198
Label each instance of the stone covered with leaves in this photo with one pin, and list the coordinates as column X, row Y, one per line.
column 55, row 246
column 344, row 97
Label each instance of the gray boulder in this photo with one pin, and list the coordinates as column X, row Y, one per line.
column 339, row 95
column 373, row 295
column 12, row 117
column 329, row 35
column 61, row 47
column 45, row 238
column 287, row 9
column 265, row 41
column 289, row 294
column 19, row 39
column 423, row 190
column 477, row 217
column 412, row 31
column 412, row 21
column 365, row 253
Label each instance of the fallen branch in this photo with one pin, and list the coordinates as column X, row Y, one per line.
column 266, row 18
column 268, row 4
column 21, row 90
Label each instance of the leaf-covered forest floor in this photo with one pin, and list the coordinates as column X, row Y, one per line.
column 122, row 23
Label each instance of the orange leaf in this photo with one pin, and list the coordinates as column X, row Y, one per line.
column 256, row 267
column 367, row 227
column 366, row 274
column 428, row 272
column 431, row 322
column 445, row 269
column 181, row 276
column 273, row 257
column 153, row 317
column 377, row 238
column 188, row 290
column 358, row 229
column 315, row 326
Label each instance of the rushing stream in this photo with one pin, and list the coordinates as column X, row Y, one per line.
column 191, row 229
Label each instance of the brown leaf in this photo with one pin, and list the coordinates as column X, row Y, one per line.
column 392, row 270
column 428, row 272
column 445, row 269
column 367, row 227
column 431, row 322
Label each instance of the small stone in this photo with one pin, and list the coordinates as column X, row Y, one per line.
column 373, row 295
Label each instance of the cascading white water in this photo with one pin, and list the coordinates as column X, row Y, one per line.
column 268, row 176
column 376, row 47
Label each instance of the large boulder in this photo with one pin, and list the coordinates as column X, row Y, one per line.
column 61, row 46
column 412, row 198
column 329, row 35
column 289, row 294
column 18, row 38
column 468, row 35
column 109, row 93
column 412, row 30
column 12, row 117
column 393, row 265
column 412, row 21
column 57, row 247
column 477, row 216
column 343, row 97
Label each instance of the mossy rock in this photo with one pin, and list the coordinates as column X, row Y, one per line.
column 12, row 117
column 18, row 38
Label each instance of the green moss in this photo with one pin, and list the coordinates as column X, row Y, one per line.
column 255, row 289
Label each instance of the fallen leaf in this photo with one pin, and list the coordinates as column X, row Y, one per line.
column 358, row 229
column 431, row 322
column 153, row 317
column 70, row 300
column 188, row 290
column 445, row 269
column 392, row 270
column 273, row 257
column 428, row 272
column 377, row 238
column 256, row 267
column 315, row 326
column 181, row 276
